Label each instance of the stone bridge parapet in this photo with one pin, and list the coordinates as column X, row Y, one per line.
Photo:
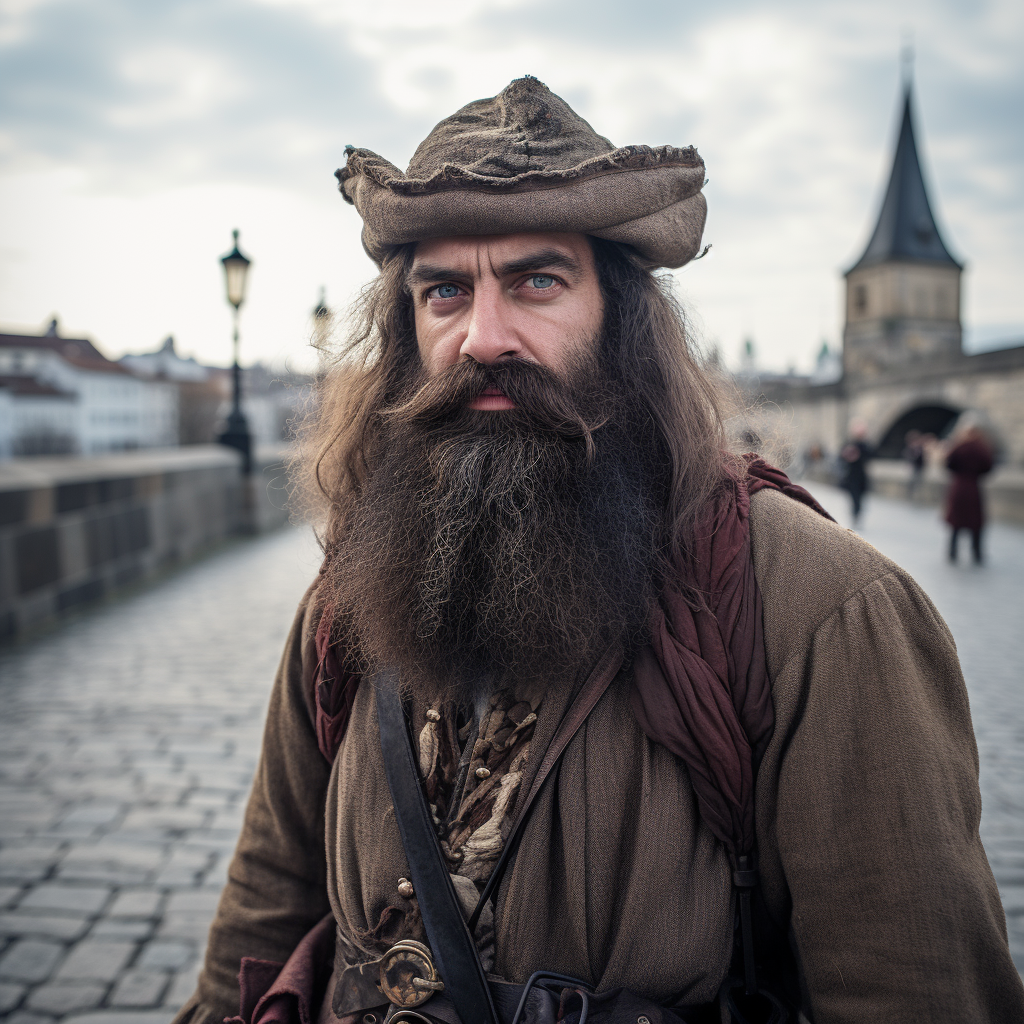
column 76, row 530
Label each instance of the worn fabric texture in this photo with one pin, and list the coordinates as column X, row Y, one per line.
column 866, row 819
column 968, row 461
column 471, row 778
column 525, row 161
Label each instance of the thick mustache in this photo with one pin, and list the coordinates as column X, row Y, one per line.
column 542, row 396
column 444, row 395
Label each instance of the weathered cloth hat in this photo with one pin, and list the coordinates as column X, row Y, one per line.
column 525, row 161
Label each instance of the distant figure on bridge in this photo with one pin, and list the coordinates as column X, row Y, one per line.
column 969, row 459
column 853, row 460
column 913, row 454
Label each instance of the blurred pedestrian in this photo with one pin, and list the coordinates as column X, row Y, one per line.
column 853, row 459
column 969, row 459
column 810, row 460
column 913, row 454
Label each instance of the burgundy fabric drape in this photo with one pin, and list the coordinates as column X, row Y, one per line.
column 702, row 690
column 289, row 993
column 335, row 690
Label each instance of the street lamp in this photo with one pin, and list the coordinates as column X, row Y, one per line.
column 236, row 434
column 321, row 322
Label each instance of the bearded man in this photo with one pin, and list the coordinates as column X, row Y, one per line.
column 629, row 709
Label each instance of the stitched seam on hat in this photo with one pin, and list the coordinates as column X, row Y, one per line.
column 524, row 187
column 451, row 177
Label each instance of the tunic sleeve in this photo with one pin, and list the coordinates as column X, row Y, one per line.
column 895, row 913
column 277, row 881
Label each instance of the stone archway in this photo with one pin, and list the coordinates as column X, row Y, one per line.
column 934, row 419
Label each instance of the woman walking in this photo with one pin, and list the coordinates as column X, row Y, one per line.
column 968, row 460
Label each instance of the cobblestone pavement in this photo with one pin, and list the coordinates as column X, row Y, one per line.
column 984, row 608
column 129, row 738
column 127, row 746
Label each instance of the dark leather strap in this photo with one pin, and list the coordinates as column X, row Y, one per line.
column 585, row 702
column 450, row 940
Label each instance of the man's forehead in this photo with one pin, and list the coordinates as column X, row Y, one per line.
column 497, row 254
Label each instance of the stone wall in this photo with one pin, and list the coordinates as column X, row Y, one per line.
column 75, row 530
column 796, row 416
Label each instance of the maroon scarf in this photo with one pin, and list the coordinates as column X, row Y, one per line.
column 701, row 689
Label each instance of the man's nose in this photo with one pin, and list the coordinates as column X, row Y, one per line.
column 492, row 335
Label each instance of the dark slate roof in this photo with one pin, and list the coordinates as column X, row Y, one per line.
column 19, row 384
column 79, row 351
column 906, row 228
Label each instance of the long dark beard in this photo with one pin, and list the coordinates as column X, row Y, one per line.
column 500, row 548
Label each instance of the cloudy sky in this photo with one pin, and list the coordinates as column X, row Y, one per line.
column 134, row 135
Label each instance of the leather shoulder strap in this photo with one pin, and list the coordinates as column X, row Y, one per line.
column 450, row 937
column 585, row 702
column 450, row 940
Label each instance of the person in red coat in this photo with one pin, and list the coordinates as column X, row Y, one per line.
column 968, row 460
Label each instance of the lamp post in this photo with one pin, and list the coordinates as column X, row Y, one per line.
column 321, row 322
column 236, row 433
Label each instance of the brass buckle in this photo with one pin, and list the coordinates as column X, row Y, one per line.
column 408, row 976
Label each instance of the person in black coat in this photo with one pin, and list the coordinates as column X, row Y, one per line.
column 853, row 459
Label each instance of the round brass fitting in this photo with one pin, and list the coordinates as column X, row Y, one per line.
column 408, row 976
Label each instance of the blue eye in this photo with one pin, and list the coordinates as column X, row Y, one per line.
column 447, row 291
column 542, row 281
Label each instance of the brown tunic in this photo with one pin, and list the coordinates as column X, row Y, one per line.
column 867, row 820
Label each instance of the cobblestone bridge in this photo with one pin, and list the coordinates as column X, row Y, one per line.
column 129, row 737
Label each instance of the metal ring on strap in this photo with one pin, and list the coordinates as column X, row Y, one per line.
column 408, row 976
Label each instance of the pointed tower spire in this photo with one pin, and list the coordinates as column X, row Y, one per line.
column 906, row 228
column 903, row 294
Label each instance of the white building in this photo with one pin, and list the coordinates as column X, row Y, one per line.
column 271, row 398
column 204, row 392
column 63, row 395
column 35, row 418
column 166, row 364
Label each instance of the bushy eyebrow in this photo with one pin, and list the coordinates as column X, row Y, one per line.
column 540, row 259
column 425, row 273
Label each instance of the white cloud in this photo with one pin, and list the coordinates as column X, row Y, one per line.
column 168, row 84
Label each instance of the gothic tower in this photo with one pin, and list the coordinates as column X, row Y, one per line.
column 903, row 294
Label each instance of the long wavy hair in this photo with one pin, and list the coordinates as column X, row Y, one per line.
column 367, row 371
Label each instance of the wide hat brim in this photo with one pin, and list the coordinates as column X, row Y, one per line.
column 524, row 161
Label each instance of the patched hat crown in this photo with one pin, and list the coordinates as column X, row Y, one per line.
column 525, row 128
column 524, row 160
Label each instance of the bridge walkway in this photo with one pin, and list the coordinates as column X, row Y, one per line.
column 129, row 738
